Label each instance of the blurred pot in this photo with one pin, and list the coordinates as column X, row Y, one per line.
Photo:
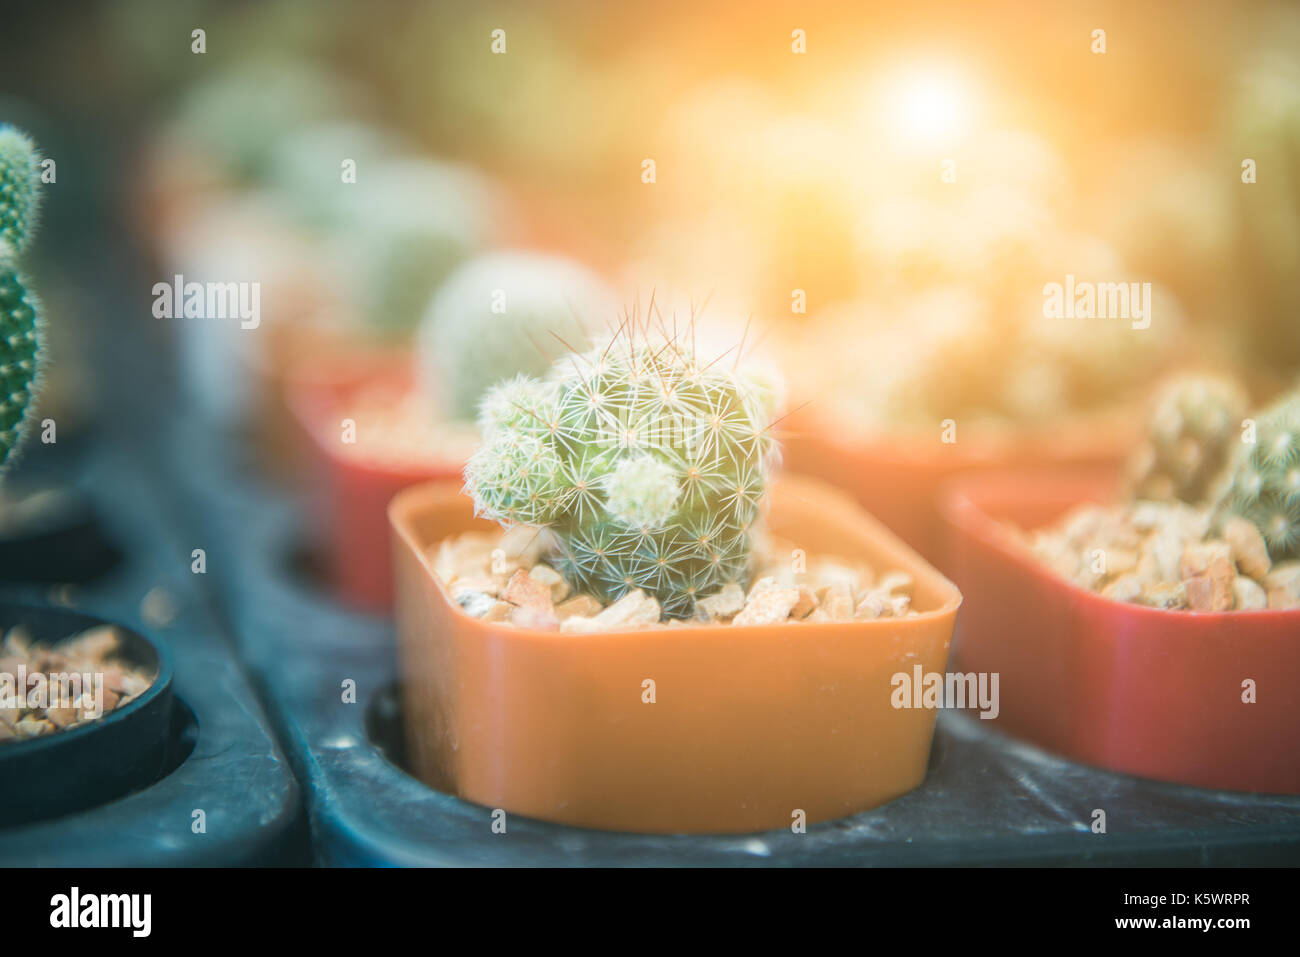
column 898, row 478
column 1150, row 692
column 353, row 489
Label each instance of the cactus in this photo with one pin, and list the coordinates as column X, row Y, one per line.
column 1190, row 437
column 1265, row 126
column 1265, row 483
column 20, row 310
column 646, row 465
column 402, row 229
column 236, row 117
column 501, row 314
column 304, row 170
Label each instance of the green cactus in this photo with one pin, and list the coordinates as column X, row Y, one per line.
column 1193, row 428
column 237, row 116
column 1265, row 126
column 20, row 310
column 402, row 228
column 304, row 171
column 647, row 466
column 501, row 314
column 1265, row 484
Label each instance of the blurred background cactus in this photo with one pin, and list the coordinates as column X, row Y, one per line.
column 1264, row 128
column 1265, row 483
column 234, row 118
column 400, row 230
column 20, row 310
column 1195, row 425
column 887, row 209
column 502, row 314
column 646, row 464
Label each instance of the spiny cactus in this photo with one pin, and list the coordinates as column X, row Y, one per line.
column 1265, row 485
column 502, row 314
column 401, row 230
column 646, row 464
column 1193, row 429
column 20, row 310
column 235, row 117
column 304, row 170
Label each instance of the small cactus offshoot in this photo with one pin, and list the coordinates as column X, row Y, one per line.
column 20, row 310
column 1194, row 426
column 1265, row 486
column 646, row 464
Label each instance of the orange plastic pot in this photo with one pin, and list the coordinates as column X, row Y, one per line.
column 1150, row 692
column 352, row 493
column 749, row 726
column 899, row 478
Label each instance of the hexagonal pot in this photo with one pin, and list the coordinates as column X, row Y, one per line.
column 1142, row 690
column 749, row 725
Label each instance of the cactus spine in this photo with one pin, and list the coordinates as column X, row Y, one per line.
column 1265, row 486
column 1193, row 428
column 647, row 466
column 20, row 310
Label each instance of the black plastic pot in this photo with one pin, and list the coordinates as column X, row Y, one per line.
column 81, row 767
column 51, row 531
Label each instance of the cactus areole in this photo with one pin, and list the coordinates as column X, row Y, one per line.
column 646, row 465
column 20, row 311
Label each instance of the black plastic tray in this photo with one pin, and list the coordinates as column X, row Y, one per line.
column 987, row 799
column 221, row 755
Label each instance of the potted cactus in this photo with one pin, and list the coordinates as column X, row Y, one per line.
column 63, row 744
column 383, row 422
column 223, row 133
column 1148, row 625
column 262, row 178
column 957, row 386
column 670, row 691
column 386, row 242
column 967, row 372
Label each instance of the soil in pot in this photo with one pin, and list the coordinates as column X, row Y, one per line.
column 86, row 712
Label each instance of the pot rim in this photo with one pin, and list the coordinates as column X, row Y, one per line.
column 159, row 686
column 901, row 555
column 310, row 403
column 1090, row 435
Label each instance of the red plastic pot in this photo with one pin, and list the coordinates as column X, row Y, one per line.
column 352, row 493
column 899, row 478
column 1149, row 692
